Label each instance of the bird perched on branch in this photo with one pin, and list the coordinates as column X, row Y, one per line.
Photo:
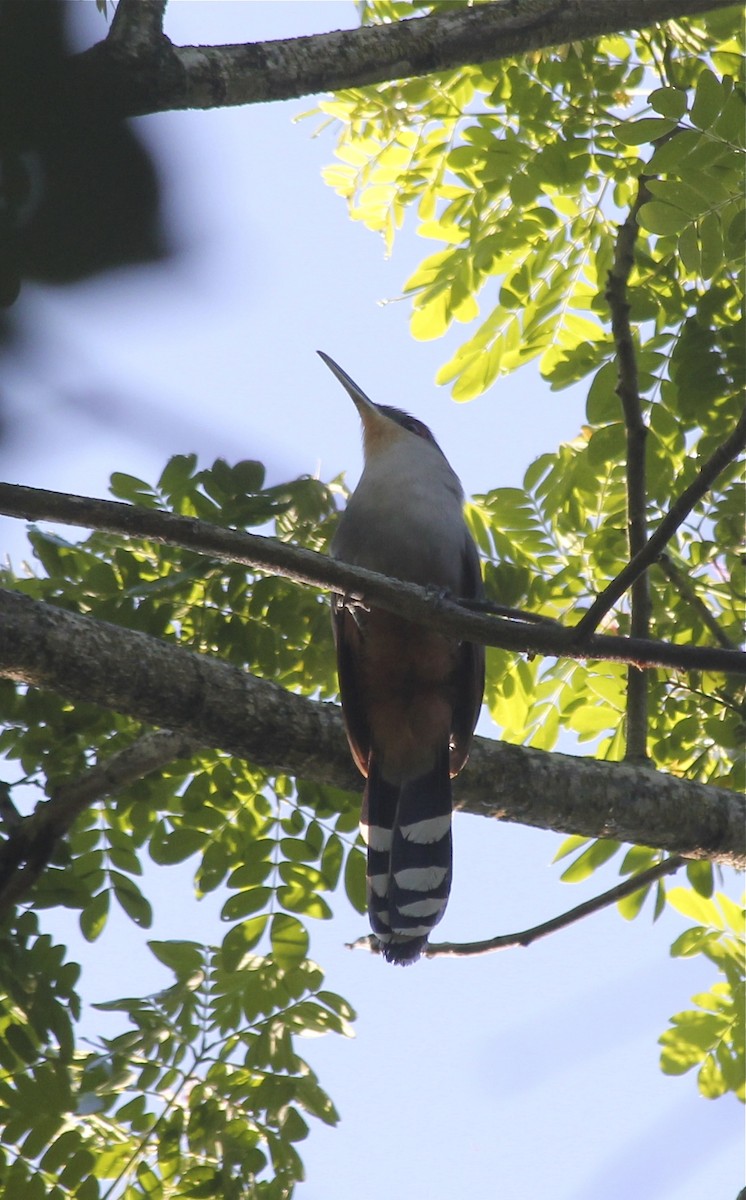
column 410, row 695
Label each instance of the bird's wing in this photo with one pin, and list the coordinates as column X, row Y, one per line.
column 469, row 678
column 348, row 639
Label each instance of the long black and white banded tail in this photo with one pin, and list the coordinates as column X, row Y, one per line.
column 407, row 829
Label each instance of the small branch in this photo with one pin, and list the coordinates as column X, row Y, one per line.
column 636, row 430
column 10, row 818
column 31, row 843
column 674, row 518
column 137, row 25
column 405, row 599
column 507, row 940
column 482, row 605
column 684, row 586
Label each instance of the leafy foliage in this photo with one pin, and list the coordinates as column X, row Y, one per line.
column 204, row 1084
column 711, row 1036
column 521, row 169
column 521, row 173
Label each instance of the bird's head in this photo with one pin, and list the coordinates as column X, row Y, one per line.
column 383, row 426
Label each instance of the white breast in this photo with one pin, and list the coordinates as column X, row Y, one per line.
column 405, row 517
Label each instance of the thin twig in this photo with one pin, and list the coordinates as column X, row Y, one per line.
column 506, row 941
column 634, row 884
column 30, row 845
column 686, row 589
column 636, row 436
column 721, row 458
column 506, row 610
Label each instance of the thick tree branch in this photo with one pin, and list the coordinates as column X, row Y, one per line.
column 726, row 452
column 31, row 843
column 406, row 599
column 172, row 77
column 222, row 707
column 637, row 497
column 507, row 941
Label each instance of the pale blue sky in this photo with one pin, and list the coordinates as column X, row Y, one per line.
column 525, row 1074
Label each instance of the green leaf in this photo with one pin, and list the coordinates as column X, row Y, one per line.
column 243, row 903
column 663, row 218
column 299, row 900
column 241, row 939
column 20, row 1043
column 631, row 906
column 646, row 129
column 62, row 1148
column 294, row 1128
column 669, row 102
column 178, row 845
column 711, row 244
column 734, row 915
column 638, row 858
column 331, row 861
column 93, row 916
column 289, row 939
column 602, row 404
column 250, row 874
column 131, row 899
column 707, row 102
column 691, row 941
column 184, row 958
column 129, row 487
column 355, row 879
column 701, row 877
column 681, row 195
column 700, row 909
column 710, row 1079
column 569, row 846
column 590, row 860
column 178, row 474
column 607, row 444
column 297, row 850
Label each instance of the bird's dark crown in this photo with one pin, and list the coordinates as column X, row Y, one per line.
column 407, row 421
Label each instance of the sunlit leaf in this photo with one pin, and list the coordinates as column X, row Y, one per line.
column 289, row 940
